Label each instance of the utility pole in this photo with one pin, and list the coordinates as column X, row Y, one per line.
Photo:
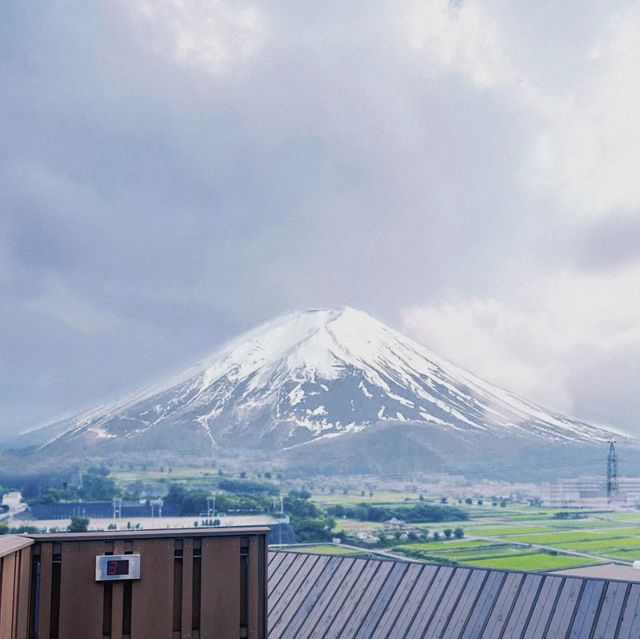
column 612, row 472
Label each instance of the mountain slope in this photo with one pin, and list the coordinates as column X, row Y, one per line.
column 317, row 375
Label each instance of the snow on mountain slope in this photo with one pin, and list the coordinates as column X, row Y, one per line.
column 320, row 374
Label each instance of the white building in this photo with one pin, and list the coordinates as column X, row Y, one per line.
column 12, row 500
column 592, row 492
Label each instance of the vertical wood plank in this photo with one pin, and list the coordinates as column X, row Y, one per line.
column 1, row 600
column 117, row 597
column 7, row 595
column 346, row 566
column 397, row 602
column 567, row 602
column 46, row 558
column 24, row 591
column 152, row 595
column 264, row 585
column 16, row 588
column 187, row 587
column 255, row 586
column 220, row 588
column 630, row 626
column 81, row 596
column 422, row 586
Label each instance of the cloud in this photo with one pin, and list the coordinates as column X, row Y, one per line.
column 462, row 37
column 213, row 36
column 612, row 241
column 588, row 150
column 570, row 341
column 585, row 134
column 59, row 303
column 514, row 349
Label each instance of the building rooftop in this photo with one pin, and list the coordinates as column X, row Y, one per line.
column 603, row 571
column 331, row 597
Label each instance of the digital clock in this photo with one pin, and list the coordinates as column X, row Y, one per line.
column 117, row 567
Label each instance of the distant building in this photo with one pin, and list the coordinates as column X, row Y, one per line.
column 12, row 500
column 591, row 492
column 367, row 537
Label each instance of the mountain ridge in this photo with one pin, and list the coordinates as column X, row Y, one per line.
column 317, row 376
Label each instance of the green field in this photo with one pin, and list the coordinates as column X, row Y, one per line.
column 176, row 474
column 498, row 554
column 533, row 562
column 508, row 534
column 387, row 498
column 627, row 543
column 503, row 531
column 446, row 546
column 353, row 525
column 466, row 558
column 555, row 538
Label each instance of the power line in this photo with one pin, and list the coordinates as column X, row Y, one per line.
column 612, row 472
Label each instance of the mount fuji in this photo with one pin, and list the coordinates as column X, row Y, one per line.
column 334, row 388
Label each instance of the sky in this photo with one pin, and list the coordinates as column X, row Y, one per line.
column 174, row 172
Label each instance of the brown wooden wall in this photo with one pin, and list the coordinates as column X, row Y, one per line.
column 15, row 571
column 193, row 585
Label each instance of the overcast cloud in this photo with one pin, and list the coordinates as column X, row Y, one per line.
column 173, row 172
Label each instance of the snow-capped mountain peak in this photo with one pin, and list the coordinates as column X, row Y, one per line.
column 319, row 374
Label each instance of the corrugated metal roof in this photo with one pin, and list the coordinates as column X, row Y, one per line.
column 324, row 597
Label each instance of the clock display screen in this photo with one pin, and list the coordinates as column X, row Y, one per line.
column 118, row 567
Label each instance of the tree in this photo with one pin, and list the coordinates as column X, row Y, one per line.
column 447, row 533
column 458, row 533
column 480, row 502
column 78, row 524
column 503, row 503
column 468, row 501
column 96, row 485
column 311, row 530
column 436, row 536
column 444, row 500
column 134, row 491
